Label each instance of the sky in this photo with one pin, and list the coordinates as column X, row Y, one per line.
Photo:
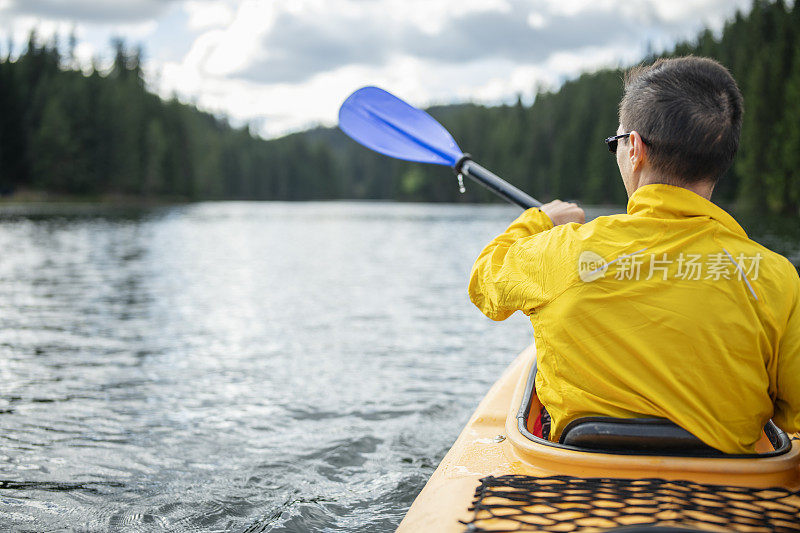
column 286, row 65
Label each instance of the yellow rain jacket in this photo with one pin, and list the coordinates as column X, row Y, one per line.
column 666, row 311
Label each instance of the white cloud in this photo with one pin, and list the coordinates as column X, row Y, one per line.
column 239, row 44
column 710, row 11
column 572, row 8
column 138, row 31
column 204, row 15
column 536, row 20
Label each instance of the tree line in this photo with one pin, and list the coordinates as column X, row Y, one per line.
column 66, row 131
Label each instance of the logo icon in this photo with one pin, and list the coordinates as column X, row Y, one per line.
column 591, row 266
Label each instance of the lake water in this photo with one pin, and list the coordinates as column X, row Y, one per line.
column 242, row 366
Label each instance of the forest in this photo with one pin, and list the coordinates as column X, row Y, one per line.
column 69, row 132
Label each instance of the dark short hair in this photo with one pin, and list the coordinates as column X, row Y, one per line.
column 689, row 110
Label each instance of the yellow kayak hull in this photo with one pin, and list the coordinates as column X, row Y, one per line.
column 492, row 444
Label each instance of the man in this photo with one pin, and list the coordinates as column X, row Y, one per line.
column 668, row 310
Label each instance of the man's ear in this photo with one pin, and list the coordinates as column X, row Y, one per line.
column 637, row 151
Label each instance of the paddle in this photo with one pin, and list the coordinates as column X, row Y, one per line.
column 384, row 123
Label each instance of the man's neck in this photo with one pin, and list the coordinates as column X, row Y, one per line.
column 703, row 188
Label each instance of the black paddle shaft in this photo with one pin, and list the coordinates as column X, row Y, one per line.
column 494, row 183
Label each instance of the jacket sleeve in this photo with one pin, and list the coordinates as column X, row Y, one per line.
column 502, row 279
column 787, row 404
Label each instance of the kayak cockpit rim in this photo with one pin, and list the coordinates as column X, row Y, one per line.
column 779, row 440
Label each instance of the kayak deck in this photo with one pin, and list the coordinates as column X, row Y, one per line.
column 492, row 444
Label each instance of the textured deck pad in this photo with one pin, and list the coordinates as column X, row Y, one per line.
column 564, row 503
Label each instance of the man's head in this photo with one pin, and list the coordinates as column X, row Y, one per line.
column 686, row 115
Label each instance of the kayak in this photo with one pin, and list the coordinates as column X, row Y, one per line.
column 500, row 476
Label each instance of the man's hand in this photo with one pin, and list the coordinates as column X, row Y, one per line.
column 563, row 212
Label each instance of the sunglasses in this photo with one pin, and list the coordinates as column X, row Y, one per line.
column 612, row 142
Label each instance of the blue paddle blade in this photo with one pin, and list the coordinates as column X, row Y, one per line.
column 384, row 123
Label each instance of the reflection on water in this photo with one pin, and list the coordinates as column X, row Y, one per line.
column 240, row 366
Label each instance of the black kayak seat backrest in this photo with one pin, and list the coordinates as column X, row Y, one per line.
column 635, row 436
column 632, row 434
